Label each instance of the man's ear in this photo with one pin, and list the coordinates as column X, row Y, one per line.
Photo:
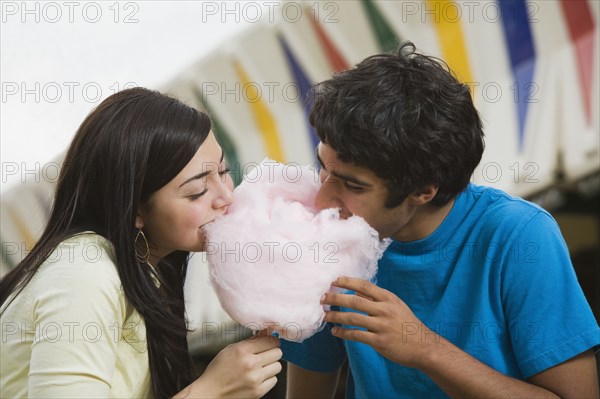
column 424, row 195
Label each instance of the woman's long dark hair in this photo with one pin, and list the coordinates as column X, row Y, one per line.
column 131, row 145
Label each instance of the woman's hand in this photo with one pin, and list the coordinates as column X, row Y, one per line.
column 246, row 369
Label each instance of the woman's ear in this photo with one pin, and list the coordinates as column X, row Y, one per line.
column 139, row 223
column 424, row 194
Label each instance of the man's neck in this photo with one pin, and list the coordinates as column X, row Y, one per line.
column 424, row 221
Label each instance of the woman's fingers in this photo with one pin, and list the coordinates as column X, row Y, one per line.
column 259, row 344
column 266, row 376
column 270, row 356
column 271, row 370
column 267, row 385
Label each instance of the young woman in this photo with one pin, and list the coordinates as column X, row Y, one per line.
column 96, row 309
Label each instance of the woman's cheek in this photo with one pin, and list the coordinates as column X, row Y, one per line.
column 199, row 213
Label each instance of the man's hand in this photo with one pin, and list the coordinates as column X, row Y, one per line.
column 392, row 329
column 396, row 333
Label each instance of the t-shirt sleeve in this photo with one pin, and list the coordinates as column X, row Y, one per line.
column 78, row 310
column 322, row 352
column 548, row 316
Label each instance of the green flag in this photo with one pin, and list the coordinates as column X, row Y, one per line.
column 224, row 140
column 386, row 38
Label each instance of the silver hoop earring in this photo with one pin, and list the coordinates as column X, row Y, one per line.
column 142, row 258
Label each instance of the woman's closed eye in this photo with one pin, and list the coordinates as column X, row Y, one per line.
column 224, row 171
column 194, row 197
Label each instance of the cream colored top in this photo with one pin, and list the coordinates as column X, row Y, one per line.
column 71, row 332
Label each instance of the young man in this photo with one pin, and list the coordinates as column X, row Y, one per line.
column 476, row 296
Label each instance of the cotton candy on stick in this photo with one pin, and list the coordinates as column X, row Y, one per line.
column 274, row 254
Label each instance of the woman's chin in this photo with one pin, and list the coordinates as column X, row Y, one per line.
column 201, row 245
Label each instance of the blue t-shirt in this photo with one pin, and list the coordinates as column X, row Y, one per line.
column 495, row 279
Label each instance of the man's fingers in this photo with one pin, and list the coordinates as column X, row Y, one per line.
column 363, row 287
column 351, row 301
column 351, row 319
column 351, row 334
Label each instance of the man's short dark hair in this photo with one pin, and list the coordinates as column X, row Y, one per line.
column 404, row 116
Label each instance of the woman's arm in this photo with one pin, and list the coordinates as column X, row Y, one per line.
column 246, row 369
column 77, row 309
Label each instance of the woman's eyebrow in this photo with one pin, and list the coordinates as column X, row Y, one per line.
column 201, row 175
column 198, row 176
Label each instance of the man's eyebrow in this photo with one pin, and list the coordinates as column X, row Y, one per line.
column 342, row 176
column 201, row 175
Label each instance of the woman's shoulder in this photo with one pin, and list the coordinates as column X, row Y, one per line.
column 78, row 281
column 85, row 260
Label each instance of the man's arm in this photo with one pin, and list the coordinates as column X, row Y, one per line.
column 461, row 375
column 302, row 383
column 397, row 334
column 562, row 379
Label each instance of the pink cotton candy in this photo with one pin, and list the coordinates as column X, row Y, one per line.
column 273, row 255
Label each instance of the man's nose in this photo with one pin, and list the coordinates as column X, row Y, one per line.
column 326, row 197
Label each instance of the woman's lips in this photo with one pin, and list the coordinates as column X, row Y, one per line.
column 206, row 224
column 224, row 213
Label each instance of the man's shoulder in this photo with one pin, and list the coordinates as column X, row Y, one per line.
column 494, row 215
column 491, row 204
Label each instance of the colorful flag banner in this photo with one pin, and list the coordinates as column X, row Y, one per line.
column 224, row 140
column 263, row 118
column 521, row 52
column 303, row 86
column 447, row 23
column 386, row 38
column 337, row 62
column 581, row 27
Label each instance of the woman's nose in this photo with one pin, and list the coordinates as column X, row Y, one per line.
column 224, row 195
